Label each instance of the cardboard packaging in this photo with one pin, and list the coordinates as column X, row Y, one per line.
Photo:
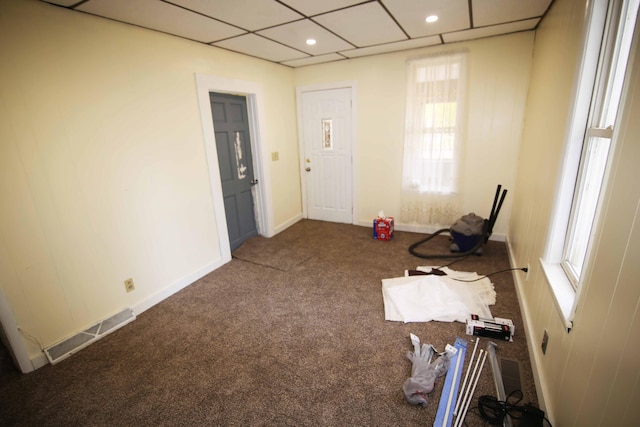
column 383, row 228
column 497, row 328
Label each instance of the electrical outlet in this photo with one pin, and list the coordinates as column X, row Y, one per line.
column 545, row 341
column 128, row 285
column 275, row 156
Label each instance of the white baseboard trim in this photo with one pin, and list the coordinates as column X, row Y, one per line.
column 541, row 385
column 39, row 360
column 425, row 229
column 178, row 285
column 287, row 224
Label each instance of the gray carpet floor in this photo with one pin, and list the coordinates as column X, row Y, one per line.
column 291, row 332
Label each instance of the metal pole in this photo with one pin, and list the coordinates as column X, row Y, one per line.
column 452, row 391
column 466, row 376
column 466, row 396
column 460, row 419
column 497, row 378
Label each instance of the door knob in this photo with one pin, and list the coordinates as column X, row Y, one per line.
column 308, row 169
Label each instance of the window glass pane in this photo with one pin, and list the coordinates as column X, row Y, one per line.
column 439, row 146
column 440, row 115
column 435, row 95
column 619, row 58
column 591, row 175
column 327, row 134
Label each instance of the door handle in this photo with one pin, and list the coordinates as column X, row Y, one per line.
column 308, row 169
column 254, row 182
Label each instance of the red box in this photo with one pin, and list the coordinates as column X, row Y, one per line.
column 383, row 228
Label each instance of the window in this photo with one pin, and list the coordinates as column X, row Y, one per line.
column 433, row 137
column 607, row 91
column 591, row 139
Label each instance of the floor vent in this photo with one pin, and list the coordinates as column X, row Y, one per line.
column 71, row 345
column 510, row 375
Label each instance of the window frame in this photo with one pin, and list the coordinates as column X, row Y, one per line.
column 454, row 130
column 588, row 99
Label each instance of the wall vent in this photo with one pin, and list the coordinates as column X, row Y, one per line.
column 66, row 348
column 511, row 377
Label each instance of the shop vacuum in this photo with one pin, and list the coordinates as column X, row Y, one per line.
column 468, row 234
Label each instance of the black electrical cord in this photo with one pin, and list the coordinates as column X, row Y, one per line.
column 525, row 269
column 494, row 411
column 454, row 261
column 435, row 271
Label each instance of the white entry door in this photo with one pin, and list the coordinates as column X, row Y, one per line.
column 327, row 161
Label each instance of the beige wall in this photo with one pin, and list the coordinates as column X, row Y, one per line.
column 103, row 176
column 103, row 173
column 497, row 90
column 589, row 376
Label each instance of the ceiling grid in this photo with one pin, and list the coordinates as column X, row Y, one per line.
column 278, row 30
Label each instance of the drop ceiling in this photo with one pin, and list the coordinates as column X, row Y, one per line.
column 277, row 30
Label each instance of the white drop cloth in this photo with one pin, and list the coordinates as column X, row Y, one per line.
column 431, row 297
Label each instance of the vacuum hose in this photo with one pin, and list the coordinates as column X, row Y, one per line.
column 487, row 229
column 481, row 242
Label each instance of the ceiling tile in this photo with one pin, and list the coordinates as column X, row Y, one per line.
column 411, row 14
column 163, row 17
column 248, row 14
column 254, row 45
column 493, row 30
column 343, row 28
column 364, row 25
column 332, row 57
column 295, row 34
column 392, row 47
column 489, row 12
column 315, row 7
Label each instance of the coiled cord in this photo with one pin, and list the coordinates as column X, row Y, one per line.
column 494, row 411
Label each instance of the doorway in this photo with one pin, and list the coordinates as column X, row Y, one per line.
column 326, row 128
column 235, row 160
column 254, row 94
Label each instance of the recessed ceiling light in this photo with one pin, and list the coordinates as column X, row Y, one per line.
column 311, row 42
column 431, row 18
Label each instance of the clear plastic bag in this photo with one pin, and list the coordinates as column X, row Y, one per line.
column 424, row 371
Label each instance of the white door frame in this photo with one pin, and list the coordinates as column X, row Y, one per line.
column 262, row 192
column 354, row 138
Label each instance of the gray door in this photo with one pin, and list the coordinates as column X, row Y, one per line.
column 233, row 145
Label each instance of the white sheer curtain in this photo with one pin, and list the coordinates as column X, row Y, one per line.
column 434, row 139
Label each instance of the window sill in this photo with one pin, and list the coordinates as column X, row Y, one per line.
column 563, row 293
